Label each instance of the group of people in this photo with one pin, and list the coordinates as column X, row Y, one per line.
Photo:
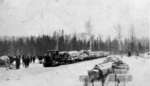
column 24, row 60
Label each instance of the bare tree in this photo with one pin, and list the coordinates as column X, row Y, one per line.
column 132, row 44
column 118, row 30
column 88, row 27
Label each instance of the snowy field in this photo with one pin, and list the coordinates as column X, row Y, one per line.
column 68, row 75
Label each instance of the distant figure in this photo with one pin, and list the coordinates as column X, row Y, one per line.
column 40, row 59
column 26, row 61
column 137, row 53
column 33, row 59
column 17, row 62
column 129, row 53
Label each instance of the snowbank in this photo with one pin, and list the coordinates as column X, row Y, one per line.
column 68, row 75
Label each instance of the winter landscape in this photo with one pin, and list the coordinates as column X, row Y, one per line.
column 74, row 43
column 68, row 75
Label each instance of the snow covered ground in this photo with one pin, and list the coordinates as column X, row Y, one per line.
column 140, row 71
column 68, row 75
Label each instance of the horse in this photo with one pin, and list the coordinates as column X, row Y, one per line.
column 97, row 74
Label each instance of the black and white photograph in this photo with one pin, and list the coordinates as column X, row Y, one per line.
column 74, row 42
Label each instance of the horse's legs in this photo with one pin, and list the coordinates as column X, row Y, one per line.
column 103, row 81
column 85, row 83
column 92, row 83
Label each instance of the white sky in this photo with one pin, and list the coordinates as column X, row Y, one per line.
column 34, row 17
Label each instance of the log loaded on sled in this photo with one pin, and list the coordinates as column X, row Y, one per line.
column 98, row 73
column 101, row 71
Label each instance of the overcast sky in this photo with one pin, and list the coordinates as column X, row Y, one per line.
column 35, row 17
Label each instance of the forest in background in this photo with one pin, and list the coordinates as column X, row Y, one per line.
column 60, row 41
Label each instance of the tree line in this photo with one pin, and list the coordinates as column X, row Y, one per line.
column 60, row 41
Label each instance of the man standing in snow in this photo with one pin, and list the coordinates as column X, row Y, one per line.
column 17, row 62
